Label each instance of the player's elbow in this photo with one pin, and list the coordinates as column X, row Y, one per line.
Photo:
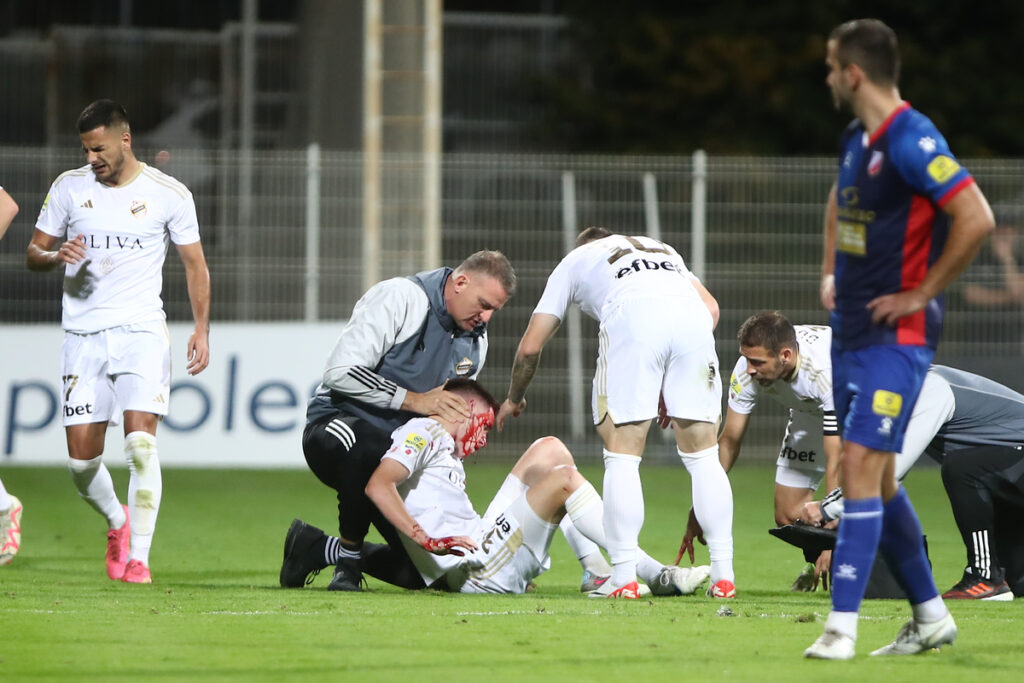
column 373, row 489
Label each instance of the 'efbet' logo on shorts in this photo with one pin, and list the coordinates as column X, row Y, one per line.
column 886, row 403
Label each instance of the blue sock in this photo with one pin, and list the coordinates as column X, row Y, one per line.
column 854, row 556
column 902, row 545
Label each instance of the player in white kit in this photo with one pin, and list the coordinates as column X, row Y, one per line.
column 792, row 365
column 10, row 506
column 109, row 223
column 656, row 342
column 420, row 486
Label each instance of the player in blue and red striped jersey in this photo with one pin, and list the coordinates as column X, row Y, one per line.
column 903, row 221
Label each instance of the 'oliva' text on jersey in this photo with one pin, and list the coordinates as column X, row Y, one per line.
column 113, row 242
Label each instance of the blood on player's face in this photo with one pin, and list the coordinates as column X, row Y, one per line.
column 472, row 435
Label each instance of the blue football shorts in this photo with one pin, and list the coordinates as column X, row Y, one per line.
column 874, row 389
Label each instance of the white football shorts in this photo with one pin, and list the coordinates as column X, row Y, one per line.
column 654, row 346
column 513, row 551
column 108, row 372
column 801, row 461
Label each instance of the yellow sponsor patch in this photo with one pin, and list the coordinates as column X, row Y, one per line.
column 886, row 403
column 734, row 385
column 416, row 442
column 852, row 238
column 942, row 168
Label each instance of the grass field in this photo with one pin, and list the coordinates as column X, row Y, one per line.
column 215, row 611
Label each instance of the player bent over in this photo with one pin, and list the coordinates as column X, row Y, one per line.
column 420, row 488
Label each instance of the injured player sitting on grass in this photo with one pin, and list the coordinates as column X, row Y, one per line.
column 419, row 487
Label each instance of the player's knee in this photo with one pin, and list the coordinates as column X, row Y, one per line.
column 551, row 450
column 565, row 477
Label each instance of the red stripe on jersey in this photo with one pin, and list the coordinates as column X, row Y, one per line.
column 955, row 190
column 885, row 124
column 916, row 246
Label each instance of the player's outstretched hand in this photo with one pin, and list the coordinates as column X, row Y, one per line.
column 693, row 531
column 449, row 545
column 509, row 408
column 437, row 401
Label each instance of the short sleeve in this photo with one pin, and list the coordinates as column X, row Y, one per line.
column 926, row 163
column 53, row 215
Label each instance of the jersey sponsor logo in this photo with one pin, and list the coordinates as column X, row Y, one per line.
column 121, row 242
column 875, row 163
column 942, row 168
column 87, row 204
column 416, row 442
column 643, row 264
column 927, row 144
column 852, row 238
column 138, row 208
column 886, row 403
column 463, row 367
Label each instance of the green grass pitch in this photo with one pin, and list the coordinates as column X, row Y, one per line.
column 215, row 611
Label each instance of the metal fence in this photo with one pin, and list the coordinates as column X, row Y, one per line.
column 762, row 246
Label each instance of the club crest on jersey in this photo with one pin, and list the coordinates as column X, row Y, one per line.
column 463, row 367
column 875, row 164
column 138, row 208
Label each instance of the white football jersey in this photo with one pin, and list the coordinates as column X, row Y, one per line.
column 434, row 492
column 810, row 391
column 126, row 231
column 615, row 268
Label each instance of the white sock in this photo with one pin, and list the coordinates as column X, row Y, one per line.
column 623, row 514
column 510, row 489
column 586, row 551
column 145, row 488
column 712, row 505
column 92, row 479
column 930, row 611
column 647, row 568
column 842, row 622
column 583, row 526
column 5, row 499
